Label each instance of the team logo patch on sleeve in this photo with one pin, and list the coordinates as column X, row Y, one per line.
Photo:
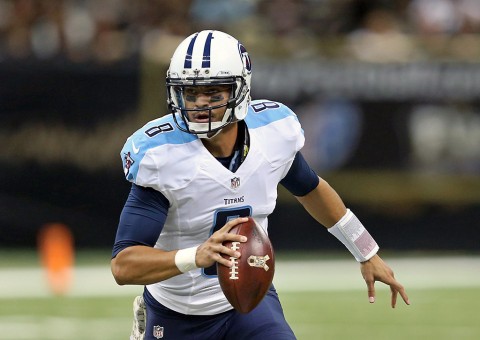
column 128, row 161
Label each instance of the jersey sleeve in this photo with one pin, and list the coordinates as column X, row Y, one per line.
column 154, row 152
column 134, row 153
column 300, row 179
column 279, row 128
column 141, row 220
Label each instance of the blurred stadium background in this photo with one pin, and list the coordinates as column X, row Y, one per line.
column 388, row 93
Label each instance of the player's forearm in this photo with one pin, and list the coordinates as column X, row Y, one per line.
column 141, row 265
column 324, row 204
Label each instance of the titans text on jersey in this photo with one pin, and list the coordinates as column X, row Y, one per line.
column 234, row 200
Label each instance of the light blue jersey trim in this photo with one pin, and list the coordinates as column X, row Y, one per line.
column 162, row 131
column 263, row 112
column 158, row 132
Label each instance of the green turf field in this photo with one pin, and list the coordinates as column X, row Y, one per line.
column 436, row 314
column 443, row 302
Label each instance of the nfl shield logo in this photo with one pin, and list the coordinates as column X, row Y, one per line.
column 158, row 332
column 235, row 182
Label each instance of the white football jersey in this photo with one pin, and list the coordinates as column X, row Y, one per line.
column 204, row 195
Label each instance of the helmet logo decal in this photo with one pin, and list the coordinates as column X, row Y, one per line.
column 247, row 62
column 206, row 51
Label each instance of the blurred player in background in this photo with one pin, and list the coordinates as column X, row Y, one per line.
column 196, row 173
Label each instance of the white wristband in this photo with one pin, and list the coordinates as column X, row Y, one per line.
column 185, row 259
column 351, row 232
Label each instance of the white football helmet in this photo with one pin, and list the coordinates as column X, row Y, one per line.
column 209, row 58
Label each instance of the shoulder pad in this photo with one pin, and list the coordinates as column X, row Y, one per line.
column 155, row 133
column 264, row 112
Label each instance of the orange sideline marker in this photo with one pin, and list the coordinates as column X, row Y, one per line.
column 56, row 249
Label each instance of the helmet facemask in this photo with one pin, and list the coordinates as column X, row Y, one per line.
column 176, row 100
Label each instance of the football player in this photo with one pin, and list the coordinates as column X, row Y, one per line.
column 217, row 158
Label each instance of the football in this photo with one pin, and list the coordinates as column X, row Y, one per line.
column 246, row 282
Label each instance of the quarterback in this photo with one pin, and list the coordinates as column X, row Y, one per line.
column 216, row 159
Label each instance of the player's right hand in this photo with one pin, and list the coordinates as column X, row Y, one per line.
column 210, row 251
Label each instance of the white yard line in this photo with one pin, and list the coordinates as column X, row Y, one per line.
column 413, row 273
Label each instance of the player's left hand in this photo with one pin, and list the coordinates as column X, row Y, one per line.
column 376, row 269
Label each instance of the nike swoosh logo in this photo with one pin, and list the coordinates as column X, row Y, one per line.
column 135, row 150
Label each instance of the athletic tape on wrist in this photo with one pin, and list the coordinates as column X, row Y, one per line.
column 351, row 232
column 185, row 259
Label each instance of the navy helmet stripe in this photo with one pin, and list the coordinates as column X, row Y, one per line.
column 206, row 50
column 188, row 56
